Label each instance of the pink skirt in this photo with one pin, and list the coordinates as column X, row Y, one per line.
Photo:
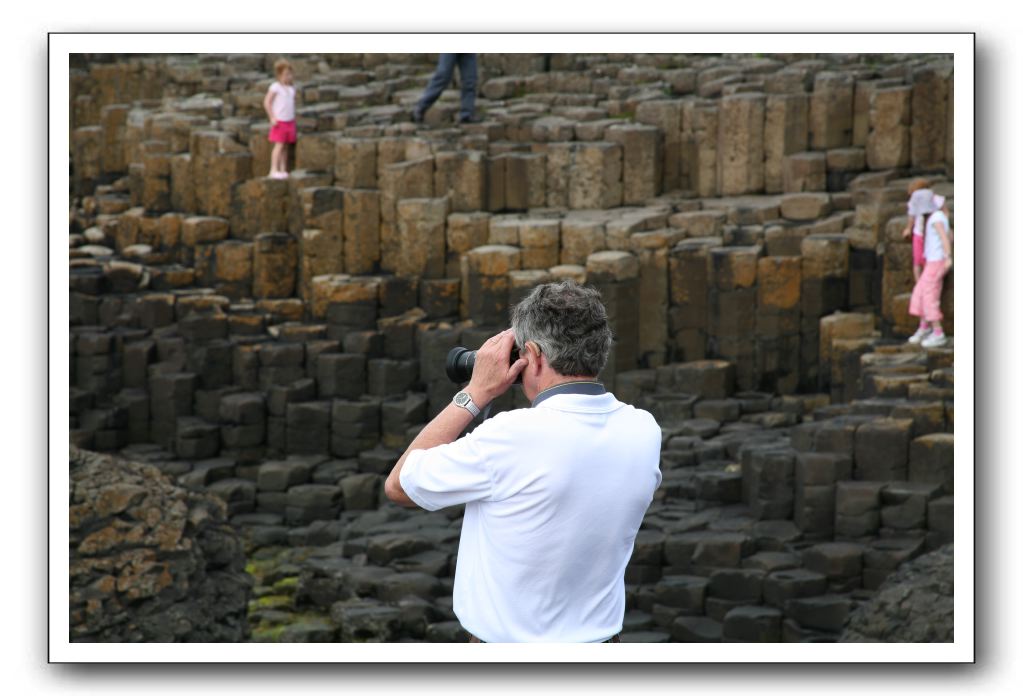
column 283, row 132
column 926, row 299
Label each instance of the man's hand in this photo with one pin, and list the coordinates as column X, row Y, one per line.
column 491, row 374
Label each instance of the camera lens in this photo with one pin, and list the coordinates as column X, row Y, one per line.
column 459, row 364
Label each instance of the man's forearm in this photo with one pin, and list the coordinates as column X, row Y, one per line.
column 445, row 428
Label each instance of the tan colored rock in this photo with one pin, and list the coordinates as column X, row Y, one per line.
column 805, row 206
column 568, row 272
column 641, row 161
column 540, row 243
column 825, row 256
column 321, row 252
column 113, row 119
column 930, row 115
column 524, row 180
column 580, row 237
column 275, row 262
column 182, row 185
column 847, row 159
column 786, row 131
column 234, row 261
column 703, row 173
column 259, row 206
column 804, row 171
column 741, row 144
column 315, row 152
column 203, row 230
column 841, row 325
column 651, row 250
column 596, row 176
column 314, row 206
column 611, row 266
column 462, row 176
column 465, row 231
column 412, row 179
column 731, row 268
column 342, row 288
column 666, row 115
column 390, row 150
column 215, row 178
column 355, row 163
column 865, row 238
column 699, row 223
column 421, row 237
column 779, row 280
column 361, row 230
column 504, row 230
column 494, row 260
column 558, row 164
column 831, row 111
column 889, row 139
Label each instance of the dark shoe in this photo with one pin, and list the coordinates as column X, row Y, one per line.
column 469, row 119
column 417, row 117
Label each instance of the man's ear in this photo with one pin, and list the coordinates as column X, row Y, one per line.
column 535, row 355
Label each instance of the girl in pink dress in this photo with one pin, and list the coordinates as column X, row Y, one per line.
column 279, row 104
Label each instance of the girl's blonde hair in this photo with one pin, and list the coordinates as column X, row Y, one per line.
column 280, row 65
column 915, row 185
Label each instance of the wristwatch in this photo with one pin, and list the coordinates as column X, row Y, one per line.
column 463, row 400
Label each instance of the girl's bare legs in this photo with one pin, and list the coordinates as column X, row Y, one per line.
column 283, row 168
column 275, row 158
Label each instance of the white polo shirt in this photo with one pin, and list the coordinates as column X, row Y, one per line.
column 554, row 497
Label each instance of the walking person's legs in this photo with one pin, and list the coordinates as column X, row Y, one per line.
column 467, row 74
column 438, row 82
column 930, row 302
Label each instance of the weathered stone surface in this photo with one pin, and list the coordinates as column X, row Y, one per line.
column 914, row 605
column 149, row 560
column 741, row 144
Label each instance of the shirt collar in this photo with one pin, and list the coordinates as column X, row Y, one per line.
column 587, row 388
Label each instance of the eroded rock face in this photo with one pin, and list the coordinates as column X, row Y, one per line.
column 914, row 605
column 150, row 561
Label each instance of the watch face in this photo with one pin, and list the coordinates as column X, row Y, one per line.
column 461, row 398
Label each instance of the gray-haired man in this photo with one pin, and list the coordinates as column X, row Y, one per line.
column 554, row 494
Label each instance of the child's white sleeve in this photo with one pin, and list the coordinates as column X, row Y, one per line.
column 918, row 225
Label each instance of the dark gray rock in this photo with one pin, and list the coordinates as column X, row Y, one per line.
column 914, row 605
column 182, row 568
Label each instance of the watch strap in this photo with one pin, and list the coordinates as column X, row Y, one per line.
column 468, row 405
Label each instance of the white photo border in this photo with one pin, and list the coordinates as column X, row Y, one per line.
column 960, row 45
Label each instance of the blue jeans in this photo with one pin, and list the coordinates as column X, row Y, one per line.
column 442, row 78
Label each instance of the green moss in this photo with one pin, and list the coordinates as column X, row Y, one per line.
column 267, row 634
column 271, row 601
column 286, row 585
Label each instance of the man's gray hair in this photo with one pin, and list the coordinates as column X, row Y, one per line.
column 569, row 323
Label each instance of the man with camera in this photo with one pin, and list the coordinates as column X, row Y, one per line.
column 554, row 494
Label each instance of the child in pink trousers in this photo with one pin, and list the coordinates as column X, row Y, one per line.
column 937, row 256
column 915, row 226
column 279, row 104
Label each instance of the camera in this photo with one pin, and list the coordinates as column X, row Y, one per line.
column 460, row 362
